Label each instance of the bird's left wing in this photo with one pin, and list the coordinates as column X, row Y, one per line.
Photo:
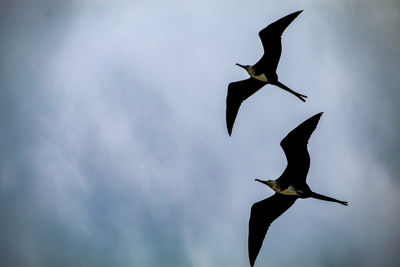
column 237, row 93
column 263, row 213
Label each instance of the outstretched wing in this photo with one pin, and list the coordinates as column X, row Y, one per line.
column 271, row 40
column 295, row 146
column 237, row 93
column 262, row 214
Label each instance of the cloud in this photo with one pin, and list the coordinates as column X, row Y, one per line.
column 115, row 152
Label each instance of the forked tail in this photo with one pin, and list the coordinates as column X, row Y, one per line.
column 284, row 87
column 322, row 197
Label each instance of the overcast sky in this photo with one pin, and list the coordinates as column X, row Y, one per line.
column 114, row 148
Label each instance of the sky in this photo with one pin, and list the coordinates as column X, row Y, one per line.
column 114, row 148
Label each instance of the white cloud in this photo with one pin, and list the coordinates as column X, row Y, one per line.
column 128, row 155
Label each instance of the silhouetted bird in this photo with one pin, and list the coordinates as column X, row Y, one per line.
column 290, row 186
column 263, row 72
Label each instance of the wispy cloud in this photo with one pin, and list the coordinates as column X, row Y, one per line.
column 114, row 147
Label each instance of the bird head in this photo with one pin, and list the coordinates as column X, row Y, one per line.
column 270, row 183
column 246, row 67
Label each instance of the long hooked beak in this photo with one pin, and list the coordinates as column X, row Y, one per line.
column 261, row 181
column 237, row 64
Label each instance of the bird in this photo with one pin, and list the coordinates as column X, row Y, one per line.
column 263, row 72
column 290, row 186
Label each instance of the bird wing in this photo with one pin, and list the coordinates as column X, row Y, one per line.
column 263, row 213
column 295, row 147
column 271, row 39
column 237, row 93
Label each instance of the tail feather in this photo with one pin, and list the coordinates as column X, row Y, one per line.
column 284, row 87
column 322, row 197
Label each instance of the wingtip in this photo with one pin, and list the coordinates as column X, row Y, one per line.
column 298, row 12
column 230, row 132
column 252, row 261
column 318, row 115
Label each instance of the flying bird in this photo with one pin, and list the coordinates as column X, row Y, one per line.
column 290, row 186
column 263, row 72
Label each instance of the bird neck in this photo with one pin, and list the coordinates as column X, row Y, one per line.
column 250, row 70
column 274, row 184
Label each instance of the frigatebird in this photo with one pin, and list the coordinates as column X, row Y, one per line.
column 290, row 186
column 263, row 72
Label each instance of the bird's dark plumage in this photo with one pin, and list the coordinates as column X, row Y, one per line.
column 293, row 180
column 237, row 93
column 263, row 72
column 262, row 214
column 271, row 40
column 295, row 147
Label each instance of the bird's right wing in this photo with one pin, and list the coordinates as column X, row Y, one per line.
column 295, row 143
column 262, row 214
column 271, row 39
column 295, row 147
column 237, row 93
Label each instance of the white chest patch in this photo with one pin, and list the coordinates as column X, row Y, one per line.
column 261, row 77
column 289, row 191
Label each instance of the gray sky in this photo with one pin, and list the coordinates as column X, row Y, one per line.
column 114, row 149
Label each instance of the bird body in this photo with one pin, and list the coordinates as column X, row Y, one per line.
column 290, row 191
column 274, row 185
column 289, row 187
column 261, row 73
